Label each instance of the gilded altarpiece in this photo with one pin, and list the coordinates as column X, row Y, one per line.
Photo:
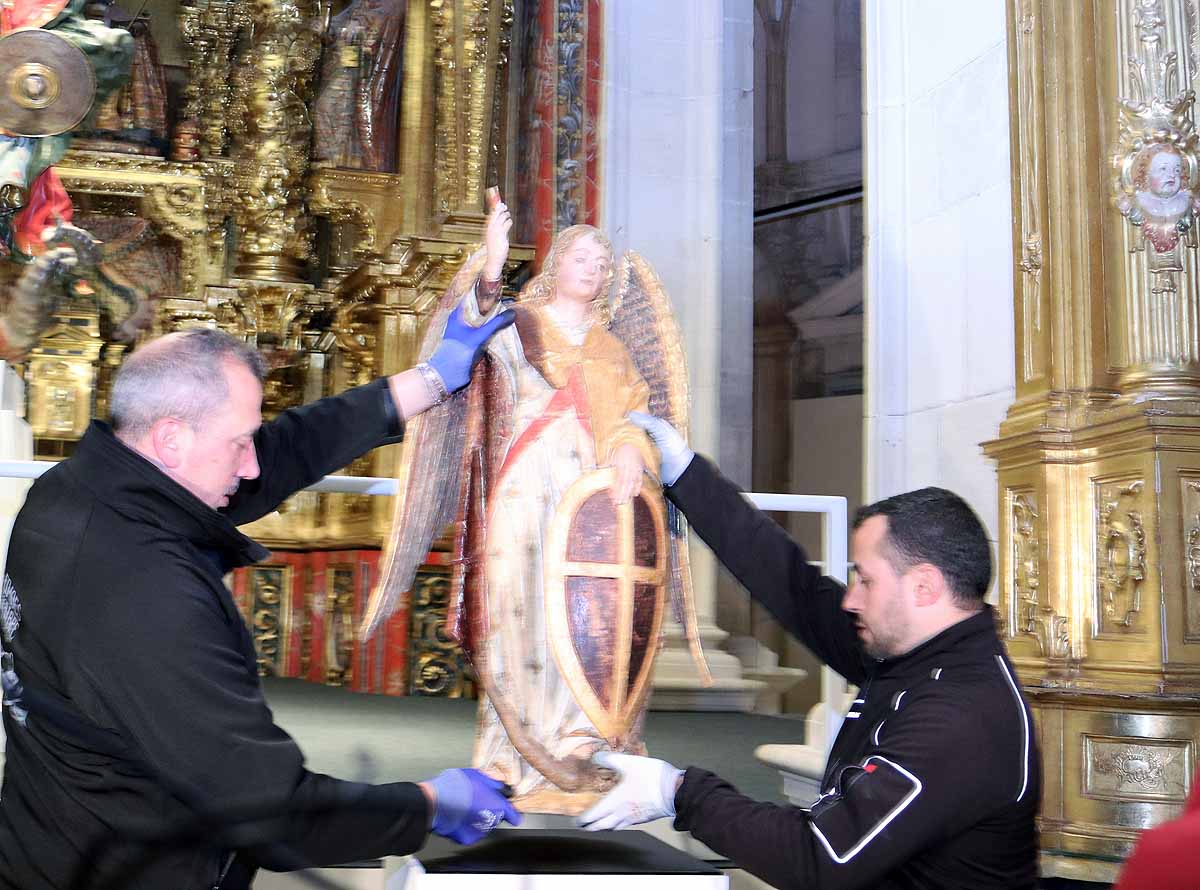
column 328, row 263
column 1099, row 456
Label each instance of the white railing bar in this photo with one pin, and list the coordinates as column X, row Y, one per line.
column 833, row 533
column 378, row 485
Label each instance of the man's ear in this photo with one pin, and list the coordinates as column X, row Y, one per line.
column 928, row 584
column 168, row 440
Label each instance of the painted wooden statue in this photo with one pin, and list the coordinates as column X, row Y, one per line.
column 357, row 110
column 565, row 561
column 61, row 64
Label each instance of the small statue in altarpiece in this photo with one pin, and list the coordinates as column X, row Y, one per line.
column 357, row 109
column 565, row 562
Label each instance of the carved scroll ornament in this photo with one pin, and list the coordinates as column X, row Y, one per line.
column 1120, row 555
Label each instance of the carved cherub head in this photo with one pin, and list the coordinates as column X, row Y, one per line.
column 1162, row 186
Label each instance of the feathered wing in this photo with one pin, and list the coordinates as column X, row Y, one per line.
column 430, row 473
column 643, row 320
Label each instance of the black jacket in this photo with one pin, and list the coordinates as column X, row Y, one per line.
column 117, row 613
column 934, row 779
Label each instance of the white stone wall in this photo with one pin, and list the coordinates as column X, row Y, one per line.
column 824, row 81
column 678, row 187
column 940, row 367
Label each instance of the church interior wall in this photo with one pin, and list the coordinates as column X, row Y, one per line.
column 826, row 459
column 939, row 256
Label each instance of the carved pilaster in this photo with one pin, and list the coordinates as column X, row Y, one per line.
column 1028, row 150
column 1031, row 615
column 1191, row 543
column 210, row 29
column 1099, row 457
column 270, row 607
column 468, row 35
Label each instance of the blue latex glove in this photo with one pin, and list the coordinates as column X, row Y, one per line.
column 675, row 453
column 462, row 346
column 469, row 805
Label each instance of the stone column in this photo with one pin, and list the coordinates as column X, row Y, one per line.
column 678, row 188
column 776, row 16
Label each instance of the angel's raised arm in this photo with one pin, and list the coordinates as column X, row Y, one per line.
column 495, row 239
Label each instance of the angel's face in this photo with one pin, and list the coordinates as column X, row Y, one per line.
column 583, row 269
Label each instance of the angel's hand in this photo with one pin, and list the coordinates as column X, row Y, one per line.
column 627, row 461
column 495, row 236
column 676, row 456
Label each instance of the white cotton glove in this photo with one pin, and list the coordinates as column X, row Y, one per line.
column 646, row 792
column 675, row 453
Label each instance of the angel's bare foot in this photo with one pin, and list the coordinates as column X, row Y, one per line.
column 589, row 776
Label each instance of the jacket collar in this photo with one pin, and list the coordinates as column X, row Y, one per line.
column 964, row 639
column 132, row 486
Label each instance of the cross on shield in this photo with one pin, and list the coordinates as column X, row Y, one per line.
column 605, row 588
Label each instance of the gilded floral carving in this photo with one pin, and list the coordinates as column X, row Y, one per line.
column 1120, row 555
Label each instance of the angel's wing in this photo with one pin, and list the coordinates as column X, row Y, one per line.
column 643, row 320
column 430, row 472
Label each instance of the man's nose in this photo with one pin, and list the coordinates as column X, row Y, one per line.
column 850, row 599
column 249, row 468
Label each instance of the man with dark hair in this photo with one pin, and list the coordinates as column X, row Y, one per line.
column 933, row 780
column 141, row 752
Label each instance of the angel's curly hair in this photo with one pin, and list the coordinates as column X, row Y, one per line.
column 540, row 289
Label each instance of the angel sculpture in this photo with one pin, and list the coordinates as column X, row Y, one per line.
column 564, row 560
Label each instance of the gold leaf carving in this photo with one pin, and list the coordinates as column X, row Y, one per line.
column 1191, row 512
column 1032, row 616
column 1137, row 769
column 1120, row 555
column 1029, row 186
column 1155, row 163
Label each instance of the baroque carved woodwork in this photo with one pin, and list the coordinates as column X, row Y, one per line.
column 1120, row 556
column 437, row 665
column 1098, row 458
column 1031, row 615
column 329, row 271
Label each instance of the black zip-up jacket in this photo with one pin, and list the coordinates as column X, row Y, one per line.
column 124, row 621
column 934, row 779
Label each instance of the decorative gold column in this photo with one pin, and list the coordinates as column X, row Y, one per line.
column 271, row 149
column 1099, row 457
column 210, row 28
column 471, row 40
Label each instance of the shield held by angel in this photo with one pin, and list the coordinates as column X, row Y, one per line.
column 566, row 556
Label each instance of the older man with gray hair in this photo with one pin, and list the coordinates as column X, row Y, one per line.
column 141, row 752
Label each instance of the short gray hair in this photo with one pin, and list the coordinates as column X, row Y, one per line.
column 184, row 379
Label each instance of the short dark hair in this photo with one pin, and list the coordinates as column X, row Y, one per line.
column 184, row 379
column 936, row 526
